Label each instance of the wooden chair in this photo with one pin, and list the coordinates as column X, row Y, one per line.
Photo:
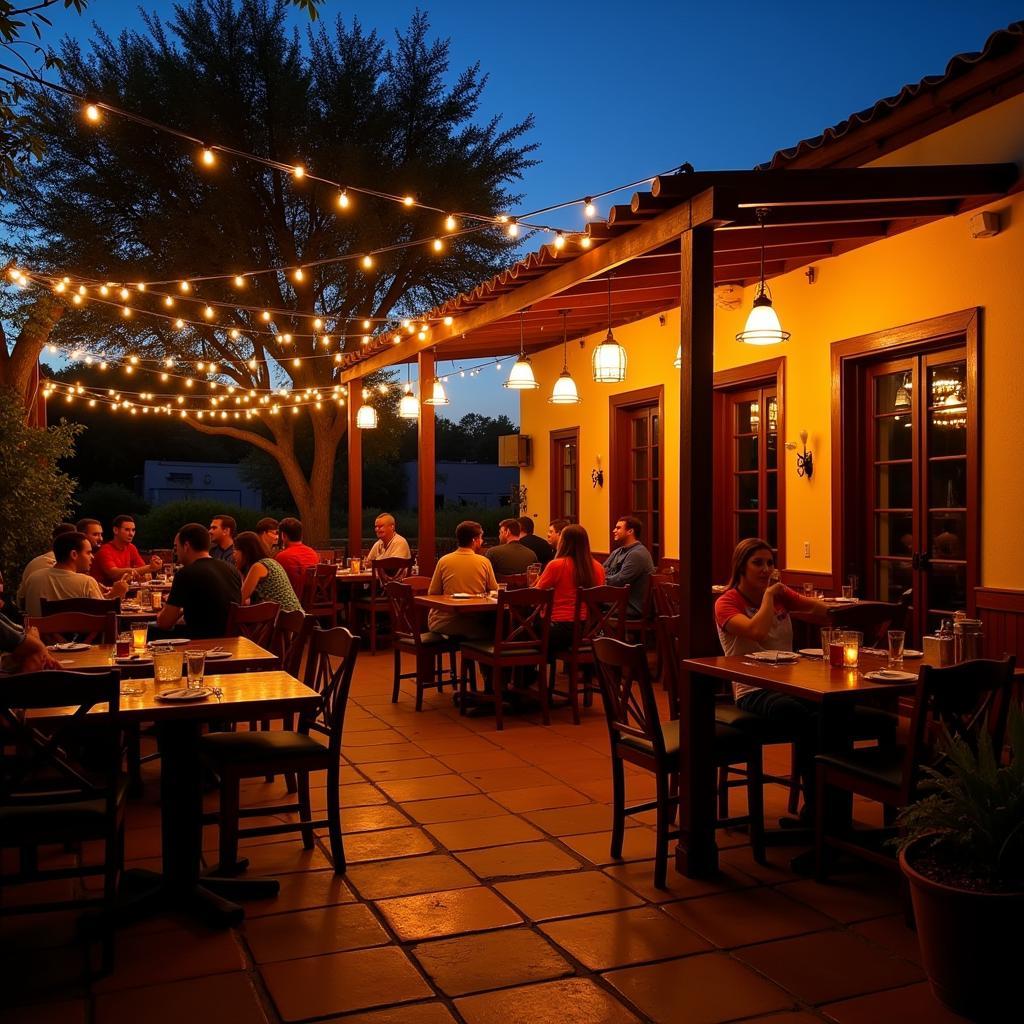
column 48, row 796
column 291, row 634
column 638, row 735
column 520, row 641
column 375, row 604
column 253, row 621
column 963, row 699
column 411, row 636
column 667, row 595
column 327, row 555
column 513, row 580
column 319, row 596
column 77, row 626
column 243, row 755
column 600, row 611
column 84, row 605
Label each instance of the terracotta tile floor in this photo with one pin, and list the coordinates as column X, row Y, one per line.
column 480, row 890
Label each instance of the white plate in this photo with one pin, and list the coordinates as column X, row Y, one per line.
column 185, row 694
column 175, row 642
column 909, row 652
column 70, row 647
column 773, row 657
column 464, row 597
column 812, row 652
column 844, row 600
column 890, row 675
column 217, row 655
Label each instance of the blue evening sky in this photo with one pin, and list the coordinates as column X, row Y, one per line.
column 624, row 91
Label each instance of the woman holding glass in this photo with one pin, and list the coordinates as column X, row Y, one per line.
column 263, row 577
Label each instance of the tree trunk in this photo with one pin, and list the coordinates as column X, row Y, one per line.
column 18, row 364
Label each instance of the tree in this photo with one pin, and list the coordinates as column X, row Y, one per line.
column 127, row 204
column 36, row 493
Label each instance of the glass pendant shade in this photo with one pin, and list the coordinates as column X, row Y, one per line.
column 609, row 361
column 437, row 394
column 763, row 327
column 564, row 392
column 408, row 407
column 678, row 361
column 366, row 417
column 521, row 376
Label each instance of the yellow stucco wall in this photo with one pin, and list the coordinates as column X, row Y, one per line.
column 913, row 276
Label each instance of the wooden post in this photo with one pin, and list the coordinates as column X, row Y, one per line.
column 696, row 853
column 426, row 469
column 355, row 470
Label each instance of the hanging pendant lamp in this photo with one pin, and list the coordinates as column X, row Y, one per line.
column 520, row 377
column 609, row 356
column 763, row 327
column 408, row 406
column 564, row 392
column 437, row 394
column 366, row 417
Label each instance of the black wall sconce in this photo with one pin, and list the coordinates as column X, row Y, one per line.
column 804, row 459
column 597, row 475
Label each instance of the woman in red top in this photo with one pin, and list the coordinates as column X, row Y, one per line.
column 572, row 568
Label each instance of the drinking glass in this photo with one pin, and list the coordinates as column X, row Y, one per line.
column 132, row 687
column 896, row 641
column 847, row 591
column 827, row 639
column 195, row 665
column 851, row 648
column 532, row 574
column 123, row 647
column 140, row 634
column 355, row 564
column 853, row 582
column 167, row 666
column 808, row 590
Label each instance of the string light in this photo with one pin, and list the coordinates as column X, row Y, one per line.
column 184, row 287
column 92, row 113
column 589, row 210
column 299, row 171
column 450, row 223
column 208, row 157
column 438, row 245
column 367, row 262
column 343, row 200
column 239, row 281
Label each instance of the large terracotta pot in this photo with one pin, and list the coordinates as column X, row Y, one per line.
column 971, row 945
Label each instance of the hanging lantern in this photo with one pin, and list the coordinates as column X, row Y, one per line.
column 609, row 356
column 437, row 394
column 564, row 392
column 763, row 327
column 521, row 376
column 366, row 417
column 408, row 407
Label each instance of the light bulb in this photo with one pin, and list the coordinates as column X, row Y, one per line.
column 104, row 290
column 168, row 301
column 185, row 287
column 141, row 286
column 367, row 261
column 239, row 281
column 589, row 210
column 124, row 293
column 299, row 171
column 585, row 241
column 317, row 323
column 513, row 229
column 408, row 201
column 450, row 223
column 208, row 312
column 92, row 113
column 299, row 275
column 343, row 199
column 169, row 362
column 438, row 245
column 559, row 241
column 179, row 323
column 448, row 321
column 296, row 363
column 207, row 156
column 366, row 325
column 126, row 311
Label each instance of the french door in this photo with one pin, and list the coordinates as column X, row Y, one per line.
column 565, row 474
column 753, row 416
column 636, row 467
column 919, row 524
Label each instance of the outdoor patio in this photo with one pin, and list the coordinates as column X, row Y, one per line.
column 480, row 888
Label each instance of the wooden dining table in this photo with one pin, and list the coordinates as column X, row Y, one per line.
column 244, row 656
column 837, row 691
column 181, row 886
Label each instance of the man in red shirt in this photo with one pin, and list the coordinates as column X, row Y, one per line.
column 120, row 556
column 294, row 556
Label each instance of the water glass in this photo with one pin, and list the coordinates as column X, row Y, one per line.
column 195, row 664
column 896, row 640
column 808, row 590
column 167, row 666
column 140, row 634
column 847, row 591
column 532, row 574
column 853, row 582
column 828, row 636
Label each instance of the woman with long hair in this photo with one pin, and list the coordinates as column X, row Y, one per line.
column 263, row 578
column 572, row 569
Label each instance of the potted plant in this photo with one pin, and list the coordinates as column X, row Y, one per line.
column 962, row 852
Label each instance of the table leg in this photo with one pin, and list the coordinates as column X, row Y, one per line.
column 697, row 852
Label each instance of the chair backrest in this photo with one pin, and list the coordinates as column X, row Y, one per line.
column 253, row 621
column 37, row 760
column 872, row 618
column 964, row 699
column 513, row 580
column 291, row 634
column 329, row 668
column 327, row 555
column 630, row 707
column 407, row 618
column 89, row 629
column 320, row 589
column 600, row 611
column 86, row 605
column 385, row 570
column 666, row 592
column 668, row 644
column 524, row 621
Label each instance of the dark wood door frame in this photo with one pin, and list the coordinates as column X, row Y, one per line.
column 618, row 483
column 766, row 371
column 554, row 445
column 848, row 357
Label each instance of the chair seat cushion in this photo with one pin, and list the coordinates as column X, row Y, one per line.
column 72, row 819
column 485, row 647
column 276, row 744
column 882, row 765
column 728, row 742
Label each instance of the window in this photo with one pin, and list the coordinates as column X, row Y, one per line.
column 636, row 468
column 565, row 474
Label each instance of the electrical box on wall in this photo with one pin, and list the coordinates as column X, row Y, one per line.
column 514, row 450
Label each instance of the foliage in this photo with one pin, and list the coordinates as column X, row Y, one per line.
column 157, row 528
column 474, row 438
column 104, row 501
column 36, row 492
column 974, row 813
column 445, row 520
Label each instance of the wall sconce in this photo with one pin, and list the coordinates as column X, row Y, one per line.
column 597, row 475
column 804, row 459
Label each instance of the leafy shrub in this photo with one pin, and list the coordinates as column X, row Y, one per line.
column 157, row 528
column 104, row 501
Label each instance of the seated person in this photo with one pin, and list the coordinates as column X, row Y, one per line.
column 294, row 556
column 389, row 543
column 43, row 561
column 266, row 530
column 753, row 615
column 93, row 529
column 222, row 538
column 69, row 577
column 572, row 568
column 555, row 528
column 263, row 577
column 630, row 564
column 203, row 588
column 21, row 650
column 508, row 556
column 541, row 549
column 120, row 557
column 463, row 571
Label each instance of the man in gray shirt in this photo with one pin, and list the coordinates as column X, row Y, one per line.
column 630, row 564
column 510, row 557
